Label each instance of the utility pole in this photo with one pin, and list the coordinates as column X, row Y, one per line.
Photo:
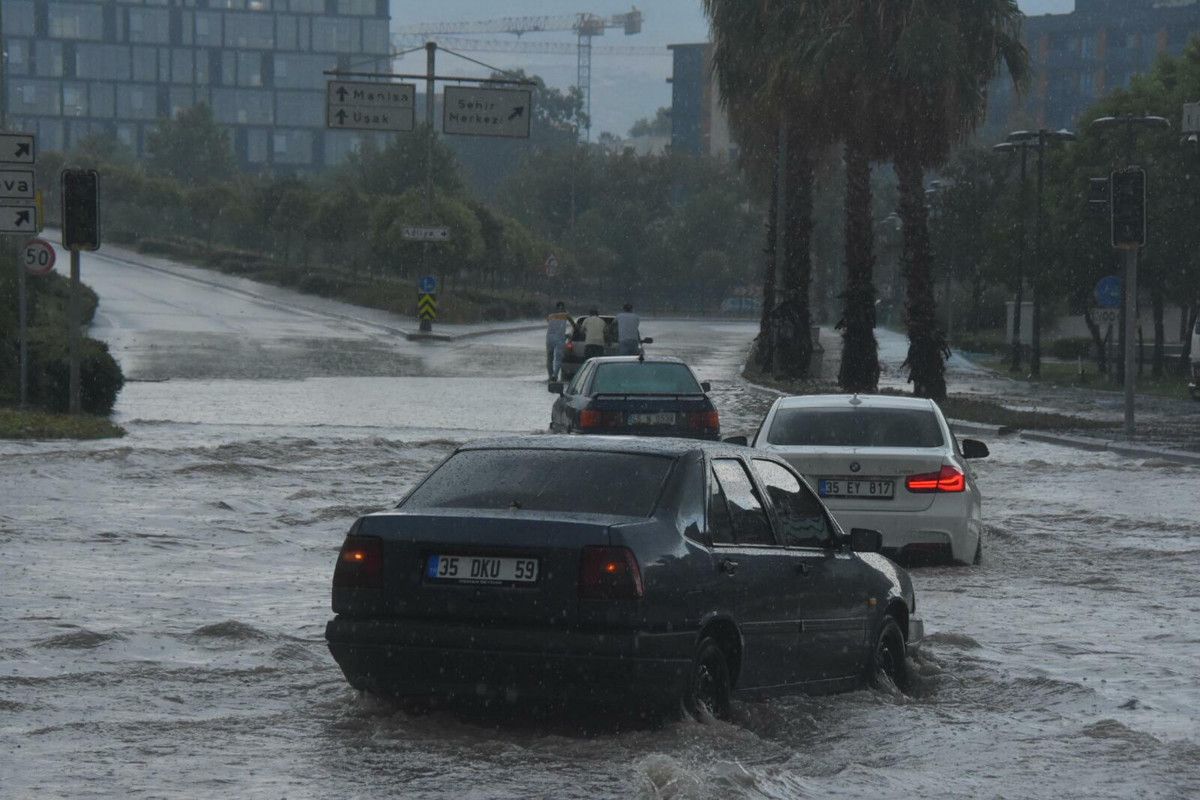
column 1129, row 235
column 1015, row 355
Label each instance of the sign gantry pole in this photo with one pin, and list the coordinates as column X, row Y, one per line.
column 426, row 324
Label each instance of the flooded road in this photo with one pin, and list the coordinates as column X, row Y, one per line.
column 165, row 594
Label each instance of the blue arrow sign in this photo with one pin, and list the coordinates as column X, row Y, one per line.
column 1109, row 291
column 428, row 285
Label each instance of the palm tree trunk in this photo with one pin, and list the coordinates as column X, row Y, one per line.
column 765, row 352
column 927, row 351
column 791, row 329
column 859, row 371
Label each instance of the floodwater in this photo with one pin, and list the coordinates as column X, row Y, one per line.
column 165, row 597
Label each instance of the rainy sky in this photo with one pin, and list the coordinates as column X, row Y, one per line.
column 624, row 88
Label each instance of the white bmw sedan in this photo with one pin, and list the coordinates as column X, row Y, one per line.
column 889, row 464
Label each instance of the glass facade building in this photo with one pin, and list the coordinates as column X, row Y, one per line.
column 1079, row 57
column 117, row 66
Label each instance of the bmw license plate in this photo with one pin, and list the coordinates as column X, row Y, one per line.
column 487, row 570
column 861, row 488
column 661, row 418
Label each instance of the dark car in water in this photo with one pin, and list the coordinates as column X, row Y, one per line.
column 634, row 395
column 682, row 571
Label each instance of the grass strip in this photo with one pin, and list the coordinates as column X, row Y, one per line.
column 18, row 424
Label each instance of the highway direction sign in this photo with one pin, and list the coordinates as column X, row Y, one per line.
column 475, row 111
column 431, row 234
column 18, row 218
column 17, row 148
column 17, row 184
column 364, row 106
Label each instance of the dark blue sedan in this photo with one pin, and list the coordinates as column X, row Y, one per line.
column 634, row 395
column 683, row 572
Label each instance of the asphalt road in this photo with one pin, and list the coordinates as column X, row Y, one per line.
column 166, row 593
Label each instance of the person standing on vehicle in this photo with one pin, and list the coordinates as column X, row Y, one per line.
column 558, row 325
column 593, row 335
column 629, row 337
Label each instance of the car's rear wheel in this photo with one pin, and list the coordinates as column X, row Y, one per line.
column 709, row 692
column 888, row 657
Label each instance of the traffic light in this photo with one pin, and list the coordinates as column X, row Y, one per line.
column 80, row 209
column 1128, row 208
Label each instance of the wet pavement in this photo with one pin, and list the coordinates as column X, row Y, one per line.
column 166, row 593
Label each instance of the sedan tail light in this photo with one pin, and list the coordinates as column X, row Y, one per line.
column 949, row 479
column 609, row 573
column 589, row 418
column 704, row 420
column 360, row 564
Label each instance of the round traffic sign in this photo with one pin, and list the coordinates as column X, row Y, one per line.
column 428, row 284
column 38, row 256
column 1109, row 291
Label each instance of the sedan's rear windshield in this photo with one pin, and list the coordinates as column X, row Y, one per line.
column 636, row 377
column 855, row 427
column 579, row 481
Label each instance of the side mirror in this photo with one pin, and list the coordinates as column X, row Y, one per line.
column 554, row 387
column 738, row 440
column 705, row 386
column 973, row 448
column 864, row 540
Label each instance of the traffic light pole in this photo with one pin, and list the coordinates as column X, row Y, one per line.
column 1131, row 293
column 430, row 72
column 73, row 324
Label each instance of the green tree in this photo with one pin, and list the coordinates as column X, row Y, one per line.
column 659, row 125
column 191, row 148
column 207, row 204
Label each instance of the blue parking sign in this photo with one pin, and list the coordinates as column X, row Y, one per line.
column 428, row 285
column 1109, row 291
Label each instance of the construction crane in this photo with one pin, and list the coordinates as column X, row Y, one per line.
column 584, row 26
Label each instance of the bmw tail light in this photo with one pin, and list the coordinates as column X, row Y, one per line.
column 704, row 420
column 949, row 479
column 609, row 573
column 359, row 564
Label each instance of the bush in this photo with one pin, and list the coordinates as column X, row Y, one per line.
column 100, row 377
column 987, row 343
column 1072, row 348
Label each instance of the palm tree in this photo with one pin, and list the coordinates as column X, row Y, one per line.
column 942, row 54
column 844, row 49
column 770, row 110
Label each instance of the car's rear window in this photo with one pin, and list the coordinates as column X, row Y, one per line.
column 636, row 377
column 581, row 481
column 855, row 427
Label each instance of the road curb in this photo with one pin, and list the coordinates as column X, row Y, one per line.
column 1119, row 448
column 964, row 426
column 417, row 336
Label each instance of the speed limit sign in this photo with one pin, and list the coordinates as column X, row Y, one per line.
column 38, row 256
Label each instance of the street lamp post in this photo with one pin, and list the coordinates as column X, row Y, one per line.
column 1130, row 124
column 1011, row 147
column 1037, row 140
column 937, row 211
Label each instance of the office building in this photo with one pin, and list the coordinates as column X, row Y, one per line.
column 699, row 125
column 117, row 66
column 1078, row 58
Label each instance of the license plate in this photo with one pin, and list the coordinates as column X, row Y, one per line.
column 863, row 488
column 481, row 569
column 662, row 418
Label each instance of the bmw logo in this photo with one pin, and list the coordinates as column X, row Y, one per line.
column 855, row 466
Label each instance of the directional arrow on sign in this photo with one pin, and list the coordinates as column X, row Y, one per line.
column 517, row 112
column 17, row 148
column 341, row 93
column 18, row 219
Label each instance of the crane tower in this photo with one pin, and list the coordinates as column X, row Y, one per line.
column 585, row 27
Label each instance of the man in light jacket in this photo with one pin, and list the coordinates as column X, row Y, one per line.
column 558, row 326
column 629, row 336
